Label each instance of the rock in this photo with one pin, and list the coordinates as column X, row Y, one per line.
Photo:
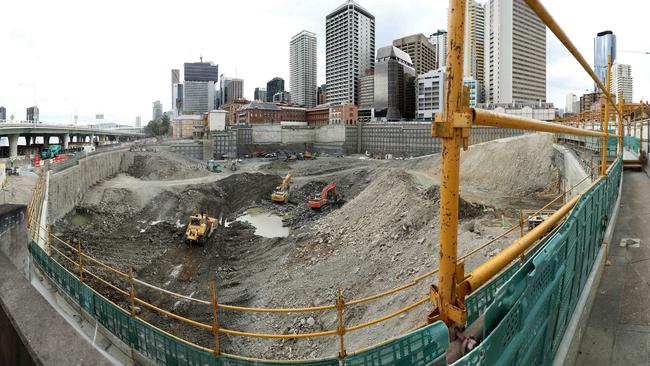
column 311, row 321
column 421, row 240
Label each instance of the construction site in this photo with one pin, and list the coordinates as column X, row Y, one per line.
column 263, row 249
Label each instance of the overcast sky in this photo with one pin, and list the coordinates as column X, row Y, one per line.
column 115, row 57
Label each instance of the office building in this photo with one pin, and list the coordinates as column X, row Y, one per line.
column 350, row 51
column 138, row 121
column 32, row 114
column 302, row 69
column 176, row 98
column 3, row 114
column 471, row 84
column 473, row 60
column 539, row 111
column 367, row 90
column 198, row 89
column 429, row 95
column 157, row 111
column 515, row 53
column 421, row 51
column 604, row 47
column 394, row 97
column 622, row 82
column 259, row 95
column 281, row 97
column 588, row 100
column 231, row 89
column 571, row 105
column 439, row 41
column 273, row 86
column 322, row 94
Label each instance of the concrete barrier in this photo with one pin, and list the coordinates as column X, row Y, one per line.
column 67, row 187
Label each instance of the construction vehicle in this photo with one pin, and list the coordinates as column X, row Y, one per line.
column 281, row 193
column 327, row 196
column 50, row 152
column 307, row 155
column 233, row 166
column 200, row 228
column 213, row 166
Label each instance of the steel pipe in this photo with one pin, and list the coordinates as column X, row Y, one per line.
column 494, row 119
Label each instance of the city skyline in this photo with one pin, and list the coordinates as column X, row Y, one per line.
column 143, row 55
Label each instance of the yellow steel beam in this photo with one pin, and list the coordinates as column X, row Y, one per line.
column 620, row 125
column 489, row 118
column 448, row 307
column 605, row 124
column 546, row 17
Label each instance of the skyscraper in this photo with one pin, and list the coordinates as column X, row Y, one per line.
column 273, row 86
column 231, row 89
column 515, row 53
column 473, row 61
column 604, row 46
column 176, row 79
column 259, row 95
column 439, row 41
column 302, row 69
column 421, row 51
column 430, row 98
column 138, row 121
column 367, row 91
column 33, row 114
column 350, row 51
column 571, row 102
column 394, row 97
column 622, row 82
column 157, row 111
column 3, row 114
column 199, row 87
column 322, row 94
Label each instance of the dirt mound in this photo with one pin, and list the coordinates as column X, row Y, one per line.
column 165, row 166
column 515, row 166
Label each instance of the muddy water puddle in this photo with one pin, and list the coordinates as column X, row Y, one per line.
column 267, row 224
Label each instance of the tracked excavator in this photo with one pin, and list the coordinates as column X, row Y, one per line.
column 281, row 193
column 327, row 196
column 200, row 228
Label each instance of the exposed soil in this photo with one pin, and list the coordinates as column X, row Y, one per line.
column 383, row 235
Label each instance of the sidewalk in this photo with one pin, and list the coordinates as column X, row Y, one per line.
column 618, row 332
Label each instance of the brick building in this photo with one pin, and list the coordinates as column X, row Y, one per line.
column 232, row 108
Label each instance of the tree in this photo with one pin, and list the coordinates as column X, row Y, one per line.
column 160, row 127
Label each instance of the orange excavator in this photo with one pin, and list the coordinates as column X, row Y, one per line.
column 327, row 196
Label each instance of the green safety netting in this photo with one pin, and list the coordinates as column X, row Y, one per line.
column 632, row 143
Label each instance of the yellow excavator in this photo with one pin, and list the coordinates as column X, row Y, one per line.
column 281, row 193
column 200, row 228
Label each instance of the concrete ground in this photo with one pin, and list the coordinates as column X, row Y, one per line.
column 618, row 332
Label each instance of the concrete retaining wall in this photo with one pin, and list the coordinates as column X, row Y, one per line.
column 67, row 187
column 13, row 234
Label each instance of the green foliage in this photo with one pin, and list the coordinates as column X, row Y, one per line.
column 160, row 127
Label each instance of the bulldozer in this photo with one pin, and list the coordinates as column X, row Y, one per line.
column 327, row 196
column 200, row 228
column 281, row 192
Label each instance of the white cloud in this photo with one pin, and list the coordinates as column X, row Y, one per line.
column 115, row 57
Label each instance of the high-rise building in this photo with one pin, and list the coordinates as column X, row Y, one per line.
column 473, row 61
column 394, row 97
column 515, row 53
column 571, row 101
column 138, row 121
column 259, row 95
column 588, row 100
column 302, row 69
column 429, row 95
column 231, row 89
column 439, row 41
column 604, row 46
column 350, row 51
column 199, row 87
column 367, row 91
column 282, row 97
column 472, row 85
column 157, row 111
column 421, row 51
column 273, row 86
column 3, row 114
column 622, row 82
column 176, row 79
column 322, row 94
column 33, row 114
